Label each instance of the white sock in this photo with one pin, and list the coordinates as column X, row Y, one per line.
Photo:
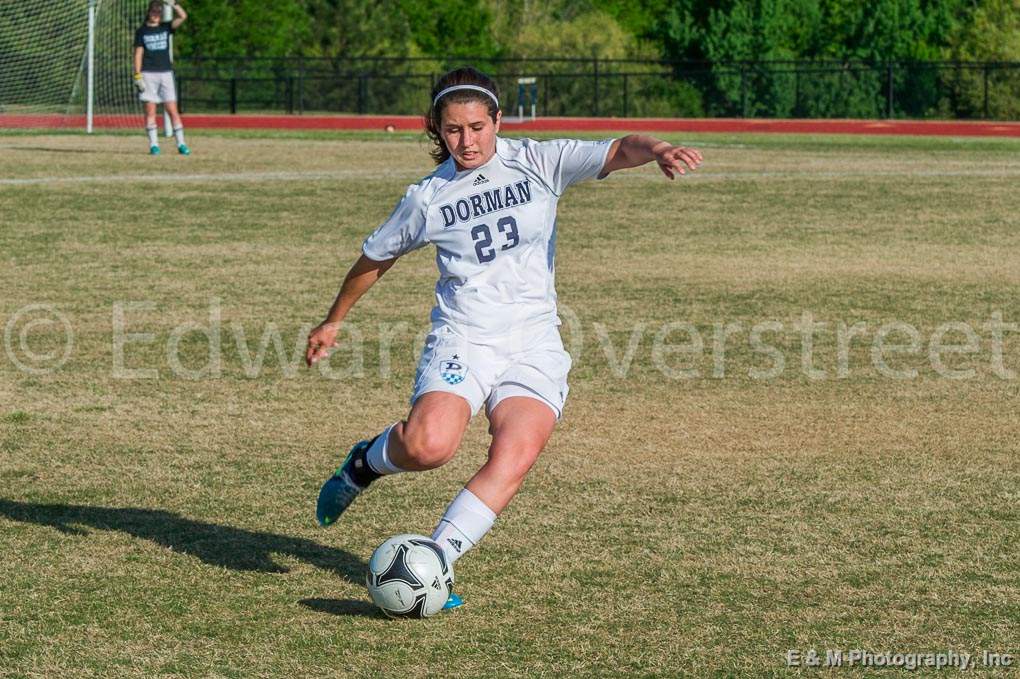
column 153, row 133
column 464, row 524
column 179, row 134
column 378, row 458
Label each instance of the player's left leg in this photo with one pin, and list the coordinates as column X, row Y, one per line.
column 174, row 113
column 520, row 428
column 523, row 407
column 168, row 93
column 175, row 120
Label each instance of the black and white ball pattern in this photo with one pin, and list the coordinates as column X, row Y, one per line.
column 408, row 576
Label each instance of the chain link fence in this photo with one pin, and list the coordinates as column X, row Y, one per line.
column 614, row 87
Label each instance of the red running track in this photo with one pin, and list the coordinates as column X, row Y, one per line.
column 379, row 123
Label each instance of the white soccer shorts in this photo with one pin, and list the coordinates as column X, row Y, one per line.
column 482, row 373
column 159, row 87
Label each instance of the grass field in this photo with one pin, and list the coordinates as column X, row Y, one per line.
column 697, row 513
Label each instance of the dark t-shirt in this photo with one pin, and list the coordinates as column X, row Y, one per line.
column 156, row 42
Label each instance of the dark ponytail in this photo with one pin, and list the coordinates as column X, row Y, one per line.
column 434, row 117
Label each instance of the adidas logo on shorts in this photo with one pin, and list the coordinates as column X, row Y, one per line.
column 480, row 179
column 456, row 543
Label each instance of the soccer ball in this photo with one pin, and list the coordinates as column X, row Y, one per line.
column 409, row 577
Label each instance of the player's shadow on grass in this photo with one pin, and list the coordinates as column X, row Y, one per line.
column 234, row 548
column 347, row 607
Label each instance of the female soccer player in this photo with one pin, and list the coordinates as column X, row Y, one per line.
column 490, row 210
column 154, row 76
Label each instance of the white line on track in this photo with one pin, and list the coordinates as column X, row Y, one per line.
column 207, row 177
column 703, row 175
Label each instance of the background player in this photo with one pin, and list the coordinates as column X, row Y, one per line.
column 489, row 208
column 154, row 75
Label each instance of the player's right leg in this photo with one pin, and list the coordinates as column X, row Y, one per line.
column 453, row 379
column 427, row 439
column 151, row 129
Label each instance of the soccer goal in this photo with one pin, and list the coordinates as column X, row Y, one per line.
column 67, row 63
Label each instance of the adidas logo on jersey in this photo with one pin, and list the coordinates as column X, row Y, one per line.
column 456, row 543
column 480, row 179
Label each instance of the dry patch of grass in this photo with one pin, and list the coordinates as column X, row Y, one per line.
column 697, row 525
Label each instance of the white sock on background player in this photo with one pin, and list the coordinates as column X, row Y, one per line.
column 464, row 524
column 153, row 133
column 179, row 135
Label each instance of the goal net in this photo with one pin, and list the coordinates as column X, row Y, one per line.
column 44, row 63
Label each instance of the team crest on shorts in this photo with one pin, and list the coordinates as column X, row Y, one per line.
column 452, row 372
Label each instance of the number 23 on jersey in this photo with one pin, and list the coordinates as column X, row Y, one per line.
column 482, row 236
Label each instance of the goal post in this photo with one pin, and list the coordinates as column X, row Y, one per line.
column 90, row 68
column 67, row 63
column 168, row 15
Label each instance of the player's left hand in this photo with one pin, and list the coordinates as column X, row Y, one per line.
column 672, row 159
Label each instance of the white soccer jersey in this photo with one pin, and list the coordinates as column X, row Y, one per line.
column 494, row 228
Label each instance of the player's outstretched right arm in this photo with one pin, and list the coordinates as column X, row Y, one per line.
column 360, row 278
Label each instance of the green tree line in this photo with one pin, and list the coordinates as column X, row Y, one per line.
column 448, row 31
column 668, row 29
column 439, row 33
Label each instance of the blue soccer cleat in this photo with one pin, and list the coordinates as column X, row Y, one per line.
column 154, row 150
column 337, row 494
column 184, row 150
column 453, row 601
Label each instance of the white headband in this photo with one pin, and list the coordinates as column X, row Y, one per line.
column 464, row 87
